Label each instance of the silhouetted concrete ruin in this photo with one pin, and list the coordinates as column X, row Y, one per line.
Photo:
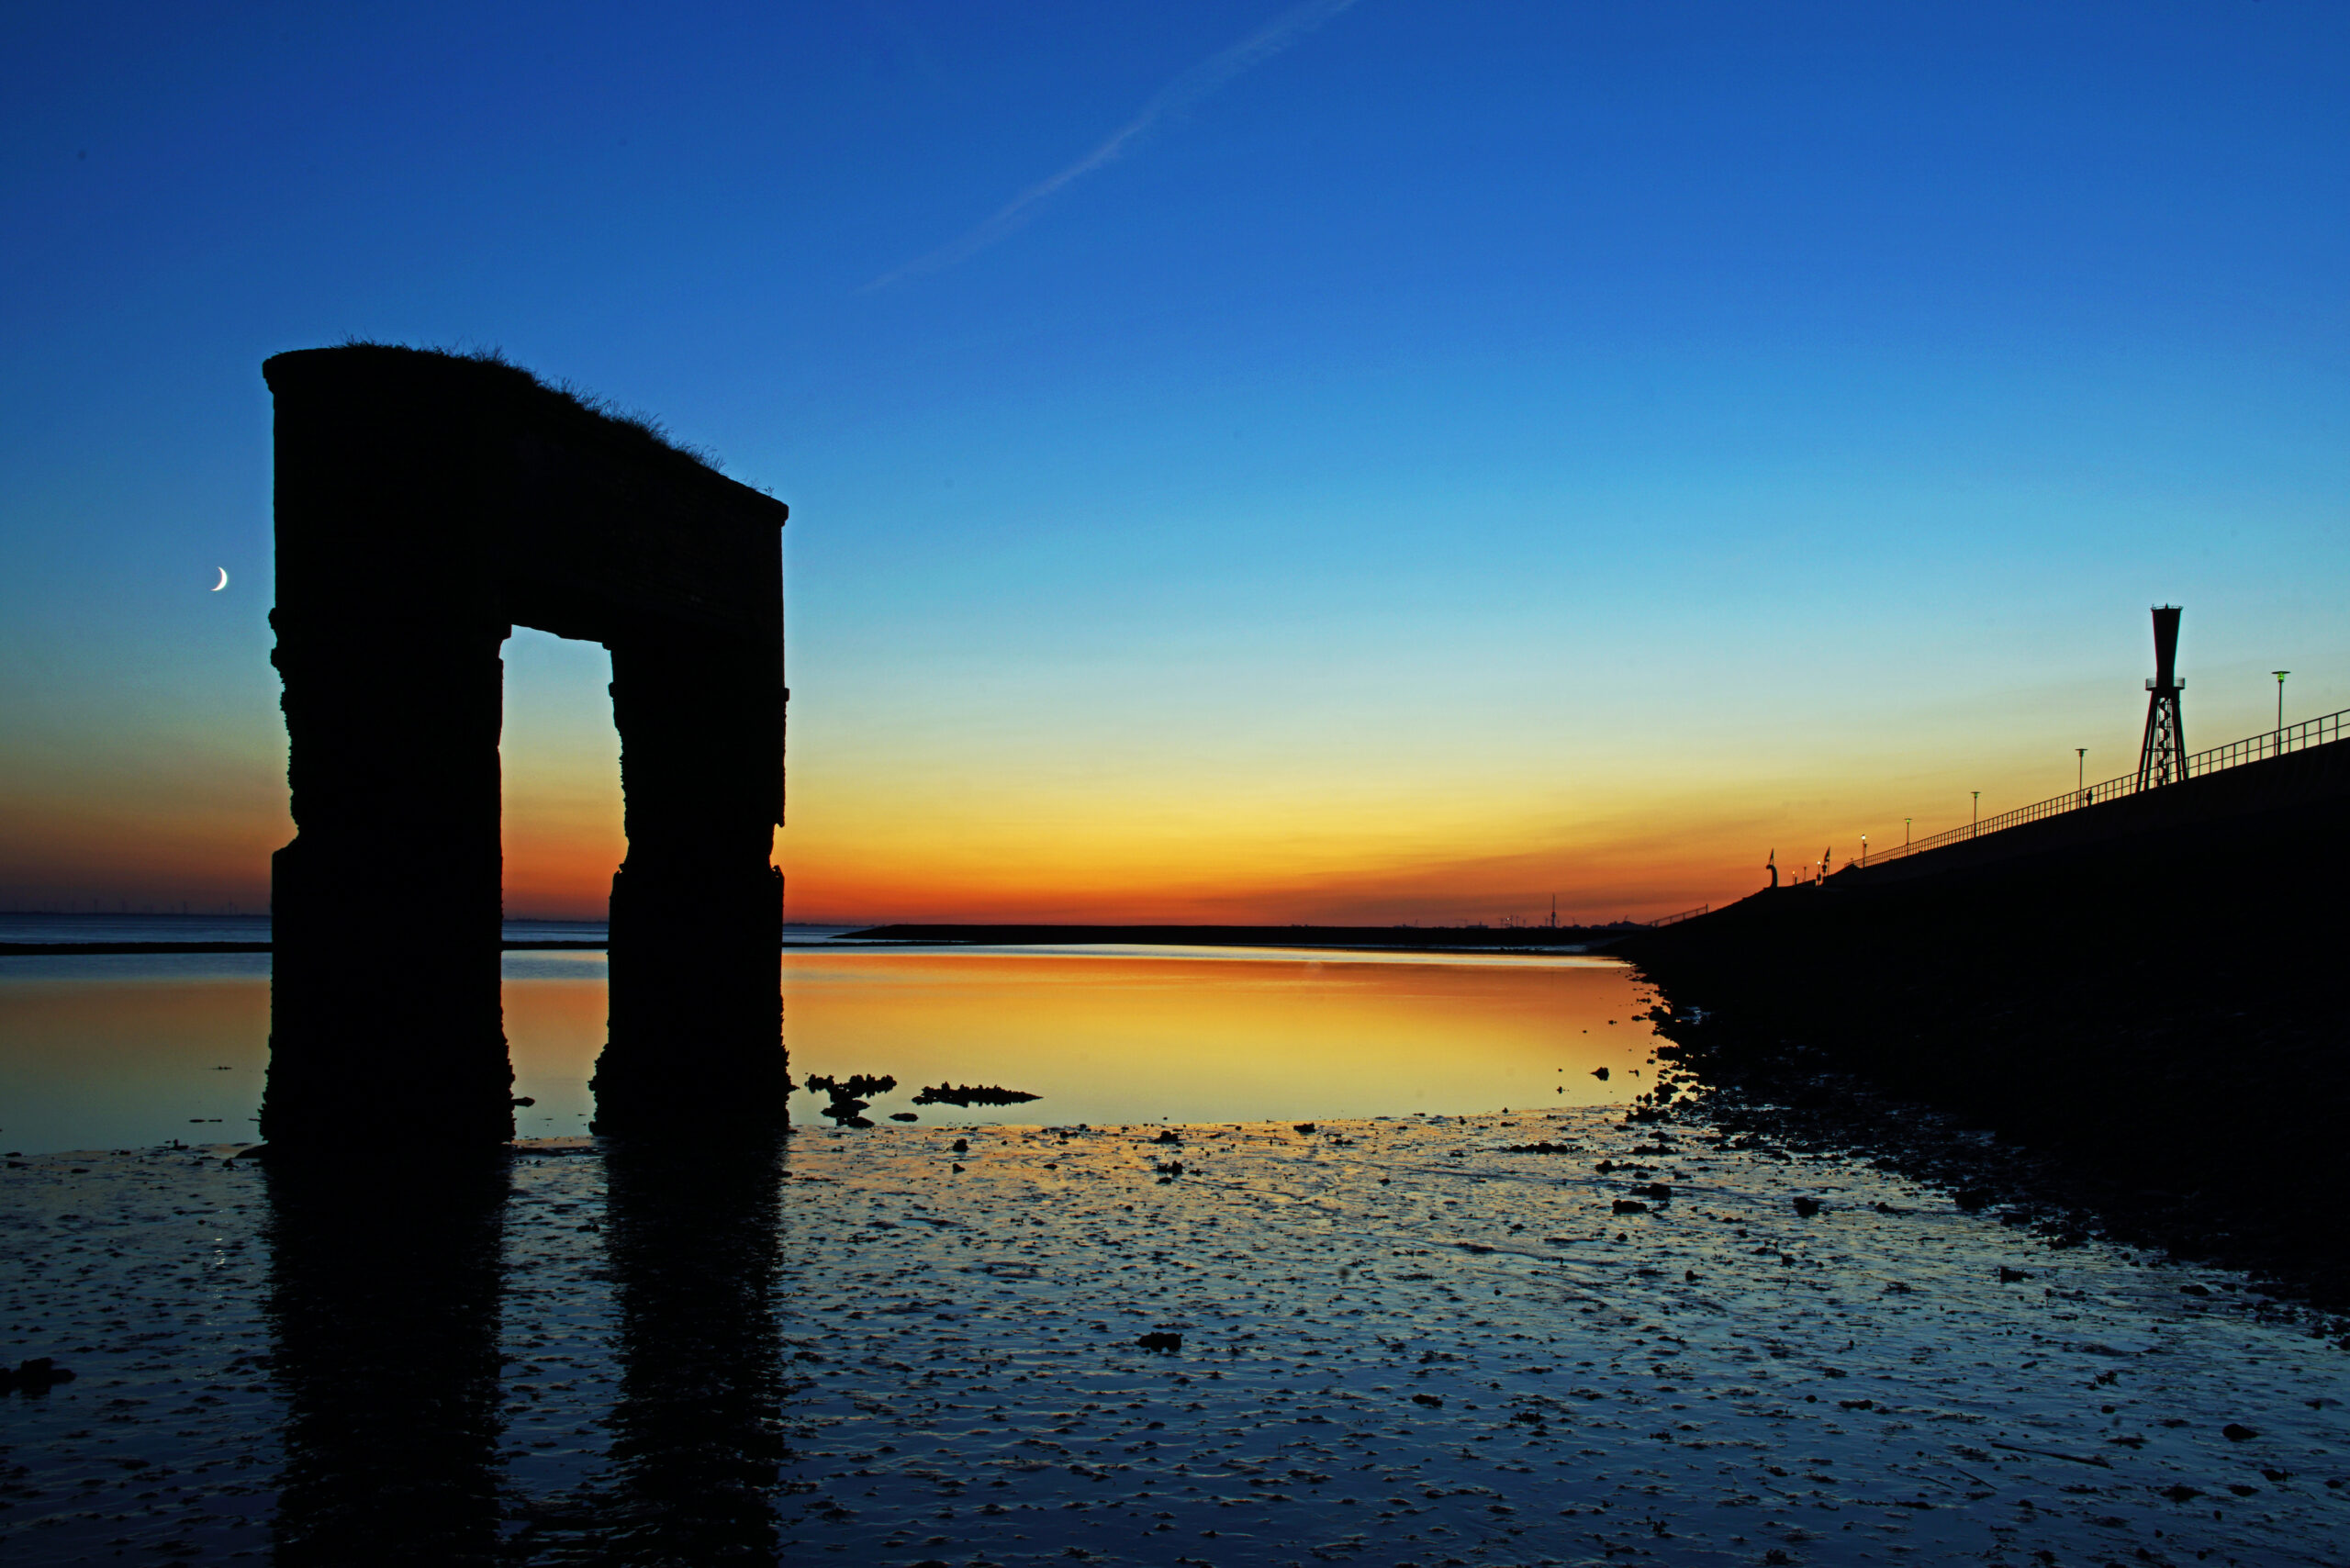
column 427, row 504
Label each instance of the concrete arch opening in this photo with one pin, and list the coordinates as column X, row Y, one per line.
column 426, row 505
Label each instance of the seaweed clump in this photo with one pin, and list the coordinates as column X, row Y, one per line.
column 851, row 1095
column 967, row 1094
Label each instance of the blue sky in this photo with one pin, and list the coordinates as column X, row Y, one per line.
column 1401, row 457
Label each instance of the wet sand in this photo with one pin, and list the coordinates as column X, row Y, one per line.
column 1400, row 1343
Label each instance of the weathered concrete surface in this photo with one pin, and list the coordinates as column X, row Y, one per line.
column 426, row 505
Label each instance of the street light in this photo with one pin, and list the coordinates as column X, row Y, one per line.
column 1974, row 821
column 2080, row 769
column 1864, row 850
column 1905, row 832
column 2280, row 675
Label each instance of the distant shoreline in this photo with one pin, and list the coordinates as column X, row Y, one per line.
column 1371, row 938
column 1397, row 939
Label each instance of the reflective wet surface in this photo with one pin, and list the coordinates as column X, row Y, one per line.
column 112, row 1051
column 1418, row 1340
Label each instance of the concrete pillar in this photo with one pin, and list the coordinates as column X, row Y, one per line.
column 697, row 1011
column 385, row 1020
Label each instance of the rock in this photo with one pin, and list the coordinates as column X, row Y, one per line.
column 2179, row 1492
column 34, row 1377
column 1654, row 1190
column 1630, row 1206
column 520, row 1100
column 905, row 1116
column 1170, row 1135
column 1303, row 1127
column 962, row 1146
column 1433, row 1401
column 1806, row 1207
column 1600, row 1073
column 1159, row 1341
column 2237, row 1432
column 2010, row 1276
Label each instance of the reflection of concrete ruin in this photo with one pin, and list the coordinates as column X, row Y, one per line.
column 426, row 505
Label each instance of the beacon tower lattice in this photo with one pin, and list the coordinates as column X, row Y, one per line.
column 2162, row 758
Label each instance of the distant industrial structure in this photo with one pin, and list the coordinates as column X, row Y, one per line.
column 2162, row 758
column 2163, row 761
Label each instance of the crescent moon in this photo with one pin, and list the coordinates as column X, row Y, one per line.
column 223, row 582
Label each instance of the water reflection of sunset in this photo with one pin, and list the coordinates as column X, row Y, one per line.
column 1134, row 1036
column 130, row 1050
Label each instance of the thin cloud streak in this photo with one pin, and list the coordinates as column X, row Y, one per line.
column 1178, row 95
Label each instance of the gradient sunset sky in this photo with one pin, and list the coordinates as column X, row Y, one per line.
column 1350, row 461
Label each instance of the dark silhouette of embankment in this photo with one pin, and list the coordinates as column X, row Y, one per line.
column 2151, row 990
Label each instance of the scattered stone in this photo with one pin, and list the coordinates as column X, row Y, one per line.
column 905, row 1116
column 1600, row 1073
column 1630, row 1206
column 34, row 1377
column 2237, row 1432
column 1303, row 1127
column 1160, row 1341
column 1806, row 1207
column 2011, row 1276
column 1433, row 1401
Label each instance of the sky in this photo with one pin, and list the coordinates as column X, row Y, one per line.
column 1368, row 461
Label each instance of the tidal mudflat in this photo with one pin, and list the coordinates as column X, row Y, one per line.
column 1509, row 1339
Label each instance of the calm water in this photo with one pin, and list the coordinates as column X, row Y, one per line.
column 110, row 1052
column 1416, row 1340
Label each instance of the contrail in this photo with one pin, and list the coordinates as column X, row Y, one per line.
column 1178, row 94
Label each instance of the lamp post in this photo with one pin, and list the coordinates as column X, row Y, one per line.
column 1974, row 819
column 1905, row 832
column 1864, row 850
column 2080, row 770
column 2280, row 675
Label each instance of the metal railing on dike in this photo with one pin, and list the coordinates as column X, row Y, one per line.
column 1684, row 914
column 2235, row 754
